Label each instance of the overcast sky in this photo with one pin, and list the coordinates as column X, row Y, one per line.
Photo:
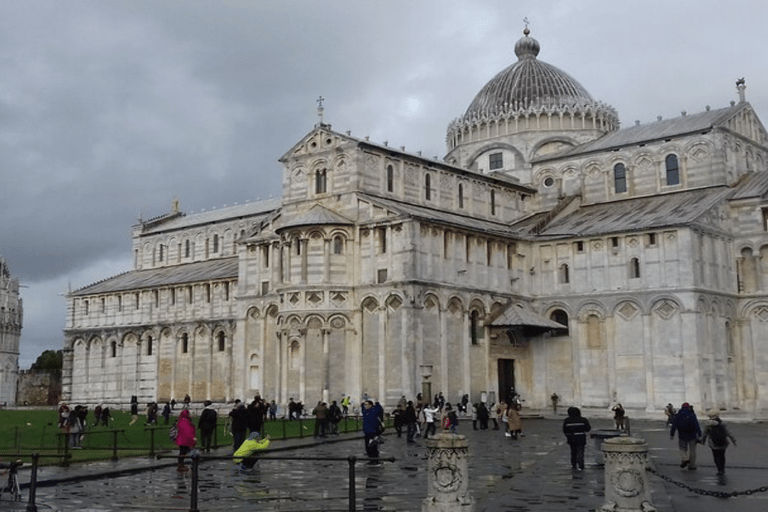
column 109, row 110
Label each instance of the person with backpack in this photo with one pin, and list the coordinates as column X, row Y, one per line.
column 688, row 430
column 575, row 428
column 716, row 435
column 207, row 424
column 185, row 437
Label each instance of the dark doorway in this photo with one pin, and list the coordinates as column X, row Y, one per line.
column 506, row 379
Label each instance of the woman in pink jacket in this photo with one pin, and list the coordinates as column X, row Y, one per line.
column 185, row 439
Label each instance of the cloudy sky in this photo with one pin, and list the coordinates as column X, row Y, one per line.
column 109, row 110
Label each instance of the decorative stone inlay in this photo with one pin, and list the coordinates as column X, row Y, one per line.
column 632, row 241
column 394, row 302
column 299, row 175
column 666, row 310
column 338, row 323
column 315, row 298
column 293, row 298
column 761, row 314
column 338, row 298
column 597, row 244
column 628, row 311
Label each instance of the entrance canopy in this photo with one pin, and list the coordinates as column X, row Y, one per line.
column 517, row 316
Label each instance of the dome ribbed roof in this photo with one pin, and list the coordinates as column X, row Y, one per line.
column 528, row 83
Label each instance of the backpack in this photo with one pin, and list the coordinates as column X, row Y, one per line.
column 718, row 435
column 173, row 432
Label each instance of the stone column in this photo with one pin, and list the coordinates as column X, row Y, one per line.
column 626, row 479
column 448, row 475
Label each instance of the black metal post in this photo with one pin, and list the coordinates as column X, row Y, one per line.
column 352, row 494
column 31, row 507
column 195, row 468
column 151, row 441
column 65, row 437
column 114, row 445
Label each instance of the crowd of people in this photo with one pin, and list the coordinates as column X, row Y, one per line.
column 415, row 418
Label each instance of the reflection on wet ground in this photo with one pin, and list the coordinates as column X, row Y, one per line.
column 529, row 474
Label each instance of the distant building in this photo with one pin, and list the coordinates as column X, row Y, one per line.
column 550, row 251
column 11, row 316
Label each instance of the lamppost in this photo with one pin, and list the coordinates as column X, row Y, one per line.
column 426, row 386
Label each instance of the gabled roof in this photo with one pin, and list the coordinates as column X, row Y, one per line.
column 441, row 216
column 202, row 271
column 516, row 316
column 664, row 129
column 654, row 212
column 752, row 186
column 318, row 215
column 264, row 207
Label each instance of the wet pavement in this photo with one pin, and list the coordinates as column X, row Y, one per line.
column 529, row 474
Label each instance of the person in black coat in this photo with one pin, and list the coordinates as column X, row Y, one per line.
column 575, row 429
column 207, row 425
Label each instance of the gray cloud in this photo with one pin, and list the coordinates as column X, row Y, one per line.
column 109, row 110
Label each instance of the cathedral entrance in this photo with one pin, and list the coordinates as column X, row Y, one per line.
column 506, row 373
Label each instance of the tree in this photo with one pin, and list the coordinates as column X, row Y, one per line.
column 48, row 360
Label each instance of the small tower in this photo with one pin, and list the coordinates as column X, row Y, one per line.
column 11, row 315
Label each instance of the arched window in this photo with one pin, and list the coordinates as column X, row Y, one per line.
column 222, row 341
column 673, row 170
column 560, row 317
column 215, row 243
column 113, row 346
column 493, row 202
column 634, row 268
column 619, row 178
column 320, row 181
column 184, row 343
column 390, row 178
column 338, row 245
column 475, row 330
column 187, row 248
column 149, row 345
column 428, row 187
column 461, row 195
column 563, row 274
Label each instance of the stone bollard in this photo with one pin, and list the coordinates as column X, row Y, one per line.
column 448, row 475
column 626, row 479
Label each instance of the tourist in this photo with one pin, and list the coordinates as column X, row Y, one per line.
column 246, row 454
column 134, row 410
column 187, row 401
column 618, row 416
column 167, row 412
column 320, row 413
column 717, row 436
column 63, row 421
column 345, row 403
column 97, row 415
column 371, row 429
column 105, row 416
column 575, row 428
column 514, row 422
column 669, row 410
column 482, row 416
column 238, row 421
column 430, row 412
column 334, row 417
column 688, row 434
column 453, row 419
column 272, row 411
column 185, row 438
column 207, row 425
column 255, row 414
column 75, row 428
column 409, row 419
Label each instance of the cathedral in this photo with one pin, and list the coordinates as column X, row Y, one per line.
column 11, row 314
column 549, row 251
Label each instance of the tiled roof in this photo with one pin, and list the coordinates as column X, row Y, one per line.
column 223, row 268
column 752, row 185
column 640, row 213
column 219, row 215
column 515, row 316
column 443, row 217
column 318, row 215
column 664, row 129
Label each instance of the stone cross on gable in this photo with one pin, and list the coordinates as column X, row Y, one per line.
column 320, row 108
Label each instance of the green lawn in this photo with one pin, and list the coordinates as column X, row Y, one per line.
column 23, row 432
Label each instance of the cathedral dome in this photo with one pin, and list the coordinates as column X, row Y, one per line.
column 528, row 83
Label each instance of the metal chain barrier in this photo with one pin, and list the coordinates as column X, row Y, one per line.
column 706, row 492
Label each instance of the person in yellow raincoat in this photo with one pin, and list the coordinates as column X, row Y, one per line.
column 245, row 454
